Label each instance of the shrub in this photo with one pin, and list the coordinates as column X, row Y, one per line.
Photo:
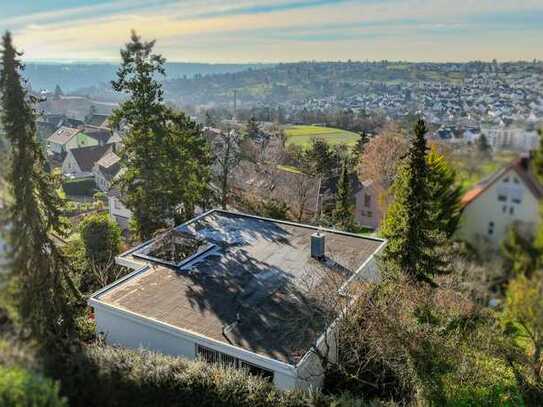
column 107, row 376
column 80, row 187
column 21, row 388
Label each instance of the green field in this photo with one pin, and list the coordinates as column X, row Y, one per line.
column 302, row 135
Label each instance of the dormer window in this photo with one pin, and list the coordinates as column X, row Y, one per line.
column 506, row 180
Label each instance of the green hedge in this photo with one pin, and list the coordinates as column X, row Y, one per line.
column 80, row 187
column 21, row 388
column 105, row 376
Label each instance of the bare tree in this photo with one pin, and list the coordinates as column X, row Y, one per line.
column 227, row 158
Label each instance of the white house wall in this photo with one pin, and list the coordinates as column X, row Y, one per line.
column 486, row 208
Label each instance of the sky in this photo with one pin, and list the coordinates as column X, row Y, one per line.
column 238, row 31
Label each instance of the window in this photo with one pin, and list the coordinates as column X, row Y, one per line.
column 504, row 209
column 116, row 203
column 512, row 210
column 367, row 200
column 502, row 197
column 490, row 228
column 506, row 180
column 213, row 356
column 369, row 214
column 516, row 181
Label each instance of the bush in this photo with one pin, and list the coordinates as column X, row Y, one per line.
column 106, row 376
column 80, row 187
column 21, row 388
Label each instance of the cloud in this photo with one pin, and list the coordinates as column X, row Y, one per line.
column 283, row 30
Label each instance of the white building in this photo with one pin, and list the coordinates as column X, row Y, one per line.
column 234, row 289
column 509, row 196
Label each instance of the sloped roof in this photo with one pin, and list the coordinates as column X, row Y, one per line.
column 98, row 120
column 100, row 134
column 86, row 157
column 109, row 165
column 63, row 135
column 521, row 166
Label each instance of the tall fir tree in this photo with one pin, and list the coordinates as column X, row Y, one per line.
column 343, row 213
column 537, row 162
column 444, row 194
column 165, row 157
column 483, row 145
column 253, row 128
column 407, row 225
column 46, row 297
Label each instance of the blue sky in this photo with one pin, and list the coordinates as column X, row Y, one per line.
column 280, row 30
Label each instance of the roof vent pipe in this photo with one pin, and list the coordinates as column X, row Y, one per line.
column 318, row 246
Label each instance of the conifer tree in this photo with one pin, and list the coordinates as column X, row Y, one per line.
column 444, row 194
column 343, row 213
column 407, row 225
column 253, row 129
column 46, row 297
column 537, row 161
column 165, row 157
column 483, row 145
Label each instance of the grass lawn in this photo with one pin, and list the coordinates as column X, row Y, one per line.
column 302, row 135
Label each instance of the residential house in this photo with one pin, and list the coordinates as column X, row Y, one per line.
column 98, row 120
column 67, row 138
column 106, row 169
column 79, row 162
column 234, row 289
column 117, row 210
column 509, row 196
column 366, row 210
column 100, row 134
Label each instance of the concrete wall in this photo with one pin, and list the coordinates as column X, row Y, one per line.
column 476, row 220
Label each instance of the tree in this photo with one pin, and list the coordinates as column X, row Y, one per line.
column 101, row 237
column 519, row 252
column 343, row 213
column 407, row 225
column 227, row 158
column 58, row 92
column 253, row 128
column 165, row 156
column 444, row 193
column 358, row 148
column 483, row 146
column 538, row 158
column 523, row 319
column 46, row 297
column 319, row 160
column 380, row 161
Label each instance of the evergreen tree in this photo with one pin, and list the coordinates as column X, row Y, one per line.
column 444, row 194
column 483, row 145
column 101, row 237
column 46, row 297
column 343, row 213
column 253, row 128
column 537, row 161
column 58, row 92
column 318, row 160
column 407, row 225
column 165, row 156
column 227, row 157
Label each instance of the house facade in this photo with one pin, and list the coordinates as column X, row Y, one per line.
column 233, row 294
column 79, row 162
column 117, row 210
column 509, row 196
column 66, row 138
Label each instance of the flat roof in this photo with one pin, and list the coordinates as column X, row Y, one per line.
column 255, row 287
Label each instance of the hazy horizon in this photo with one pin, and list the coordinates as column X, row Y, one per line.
column 273, row 31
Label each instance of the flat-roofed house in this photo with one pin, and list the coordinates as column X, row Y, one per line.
column 510, row 196
column 233, row 288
